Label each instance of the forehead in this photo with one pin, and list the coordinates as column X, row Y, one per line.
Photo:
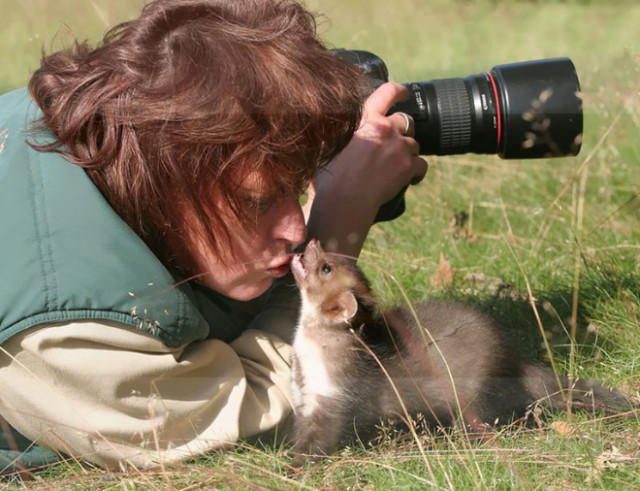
column 254, row 181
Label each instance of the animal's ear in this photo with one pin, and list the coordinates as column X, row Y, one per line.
column 341, row 308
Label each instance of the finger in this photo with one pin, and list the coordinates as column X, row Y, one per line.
column 405, row 123
column 421, row 166
column 386, row 96
column 414, row 146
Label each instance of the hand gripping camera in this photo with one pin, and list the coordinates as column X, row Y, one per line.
column 526, row 110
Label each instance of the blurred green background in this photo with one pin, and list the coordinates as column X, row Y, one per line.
column 419, row 39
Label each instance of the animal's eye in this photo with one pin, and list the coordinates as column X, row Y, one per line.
column 326, row 269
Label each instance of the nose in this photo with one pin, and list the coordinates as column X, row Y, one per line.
column 288, row 224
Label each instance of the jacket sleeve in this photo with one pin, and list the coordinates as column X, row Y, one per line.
column 111, row 395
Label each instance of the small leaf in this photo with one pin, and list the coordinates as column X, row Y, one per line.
column 562, row 427
column 443, row 276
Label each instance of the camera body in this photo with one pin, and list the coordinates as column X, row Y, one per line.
column 525, row 110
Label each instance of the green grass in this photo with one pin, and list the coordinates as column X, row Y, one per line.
column 565, row 230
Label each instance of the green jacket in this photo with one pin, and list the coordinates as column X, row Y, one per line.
column 65, row 255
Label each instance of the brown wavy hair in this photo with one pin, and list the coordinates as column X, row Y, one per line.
column 187, row 97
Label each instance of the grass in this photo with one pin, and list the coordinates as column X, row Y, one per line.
column 565, row 231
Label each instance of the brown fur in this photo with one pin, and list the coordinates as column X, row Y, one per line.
column 446, row 361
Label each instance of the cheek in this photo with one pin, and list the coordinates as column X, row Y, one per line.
column 248, row 242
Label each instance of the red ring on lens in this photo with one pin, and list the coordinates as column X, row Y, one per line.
column 495, row 95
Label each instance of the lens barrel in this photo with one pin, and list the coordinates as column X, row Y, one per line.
column 520, row 110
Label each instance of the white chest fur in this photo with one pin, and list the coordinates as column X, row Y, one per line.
column 310, row 379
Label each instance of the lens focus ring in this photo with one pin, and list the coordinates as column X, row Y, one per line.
column 455, row 113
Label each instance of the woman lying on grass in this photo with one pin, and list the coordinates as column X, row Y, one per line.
column 150, row 201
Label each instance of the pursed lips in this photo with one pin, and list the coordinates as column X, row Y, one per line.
column 279, row 269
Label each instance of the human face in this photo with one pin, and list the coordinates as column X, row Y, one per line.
column 260, row 251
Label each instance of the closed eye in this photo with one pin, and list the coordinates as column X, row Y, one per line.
column 261, row 205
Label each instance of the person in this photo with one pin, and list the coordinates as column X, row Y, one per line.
column 150, row 200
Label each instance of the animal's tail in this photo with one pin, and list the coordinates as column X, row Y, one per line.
column 542, row 385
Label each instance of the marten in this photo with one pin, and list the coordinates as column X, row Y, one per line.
column 353, row 364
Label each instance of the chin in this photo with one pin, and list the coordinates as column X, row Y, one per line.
column 245, row 293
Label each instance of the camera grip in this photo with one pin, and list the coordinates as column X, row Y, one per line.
column 393, row 208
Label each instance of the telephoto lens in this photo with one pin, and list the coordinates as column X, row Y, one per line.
column 522, row 110
column 526, row 110
column 531, row 109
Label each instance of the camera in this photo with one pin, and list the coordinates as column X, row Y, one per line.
column 525, row 110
